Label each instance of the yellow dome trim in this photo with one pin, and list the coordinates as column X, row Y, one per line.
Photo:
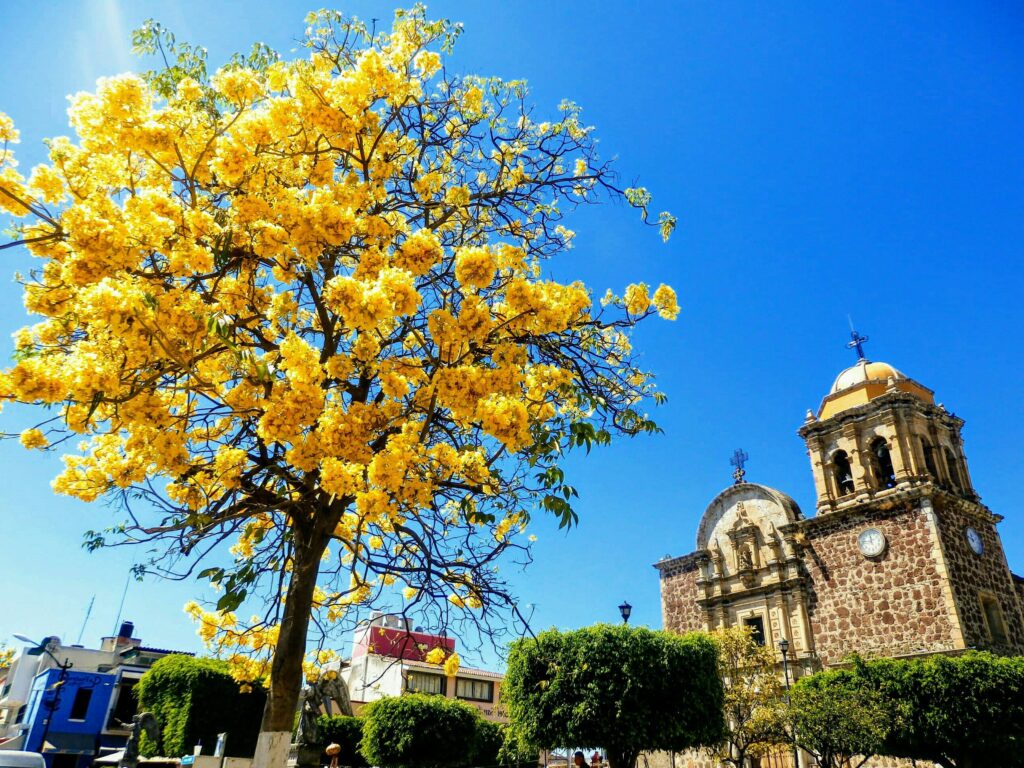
column 861, row 383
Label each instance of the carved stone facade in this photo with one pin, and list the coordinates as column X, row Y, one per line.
column 901, row 559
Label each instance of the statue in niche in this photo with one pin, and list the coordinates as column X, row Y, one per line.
column 746, row 561
column 774, row 541
column 716, row 558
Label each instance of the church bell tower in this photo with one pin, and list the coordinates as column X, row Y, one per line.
column 879, row 433
column 901, row 545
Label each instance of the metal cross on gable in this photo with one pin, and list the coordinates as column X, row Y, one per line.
column 738, row 460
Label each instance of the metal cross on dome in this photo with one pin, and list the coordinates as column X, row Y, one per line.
column 856, row 341
column 738, row 460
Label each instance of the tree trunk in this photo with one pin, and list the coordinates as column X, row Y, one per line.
column 286, row 668
column 622, row 758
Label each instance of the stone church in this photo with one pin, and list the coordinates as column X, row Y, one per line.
column 901, row 558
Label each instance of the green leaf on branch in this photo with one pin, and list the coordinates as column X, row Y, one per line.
column 562, row 509
column 230, row 601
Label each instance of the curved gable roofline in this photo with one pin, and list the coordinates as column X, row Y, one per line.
column 720, row 503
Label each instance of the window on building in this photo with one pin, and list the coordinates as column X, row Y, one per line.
column 424, row 682
column 881, row 463
column 125, row 705
column 843, row 473
column 474, row 690
column 21, row 714
column 993, row 618
column 80, row 705
column 929, row 458
column 756, row 624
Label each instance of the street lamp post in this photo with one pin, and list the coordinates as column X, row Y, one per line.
column 784, row 647
column 52, row 705
column 624, row 610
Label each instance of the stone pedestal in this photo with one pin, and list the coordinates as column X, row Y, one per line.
column 304, row 756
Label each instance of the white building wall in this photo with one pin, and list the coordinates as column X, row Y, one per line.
column 372, row 677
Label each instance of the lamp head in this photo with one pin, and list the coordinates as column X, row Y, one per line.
column 784, row 646
column 625, row 610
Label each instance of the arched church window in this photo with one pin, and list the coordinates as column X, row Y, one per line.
column 929, row 458
column 954, row 469
column 842, row 472
column 881, row 463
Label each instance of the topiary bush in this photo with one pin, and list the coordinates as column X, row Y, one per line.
column 419, row 731
column 194, row 699
column 494, row 748
column 965, row 711
column 626, row 689
column 346, row 732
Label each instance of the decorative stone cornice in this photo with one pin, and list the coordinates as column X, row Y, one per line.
column 900, row 401
column 683, row 563
column 792, row 584
column 883, row 503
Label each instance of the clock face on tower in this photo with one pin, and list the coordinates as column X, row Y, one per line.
column 871, row 542
column 974, row 540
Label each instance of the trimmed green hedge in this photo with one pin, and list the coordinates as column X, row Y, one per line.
column 194, row 699
column 346, row 732
column 494, row 748
column 965, row 711
column 625, row 689
column 419, row 731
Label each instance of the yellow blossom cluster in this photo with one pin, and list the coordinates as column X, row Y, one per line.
column 435, row 655
column 449, row 662
column 451, row 665
column 34, row 438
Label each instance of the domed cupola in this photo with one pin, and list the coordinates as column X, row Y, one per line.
column 864, row 381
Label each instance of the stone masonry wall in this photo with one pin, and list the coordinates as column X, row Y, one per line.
column 894, row 604
column 679, row 594
column 972, row 574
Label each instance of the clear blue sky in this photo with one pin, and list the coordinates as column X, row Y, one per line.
column 824, row 159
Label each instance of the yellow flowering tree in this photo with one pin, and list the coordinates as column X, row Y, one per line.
column 754, row 698
column 299, row 308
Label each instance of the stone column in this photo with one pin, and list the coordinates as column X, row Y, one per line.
column 851, row 443
column 965, row 474
column 941, row 566
column 899, row 451
column 916, row 450
column 819, row 464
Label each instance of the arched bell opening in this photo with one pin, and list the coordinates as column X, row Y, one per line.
column 881, row 464
column 842, row 473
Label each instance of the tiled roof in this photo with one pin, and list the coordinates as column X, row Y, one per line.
column 147, row 649
column 462, row 670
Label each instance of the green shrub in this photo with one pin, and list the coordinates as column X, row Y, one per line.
column 962, row 711
column 626, row 689
column 419, row 731
column 835, row 719
column 194, row 699
column 346, row 732
column 493, row 748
